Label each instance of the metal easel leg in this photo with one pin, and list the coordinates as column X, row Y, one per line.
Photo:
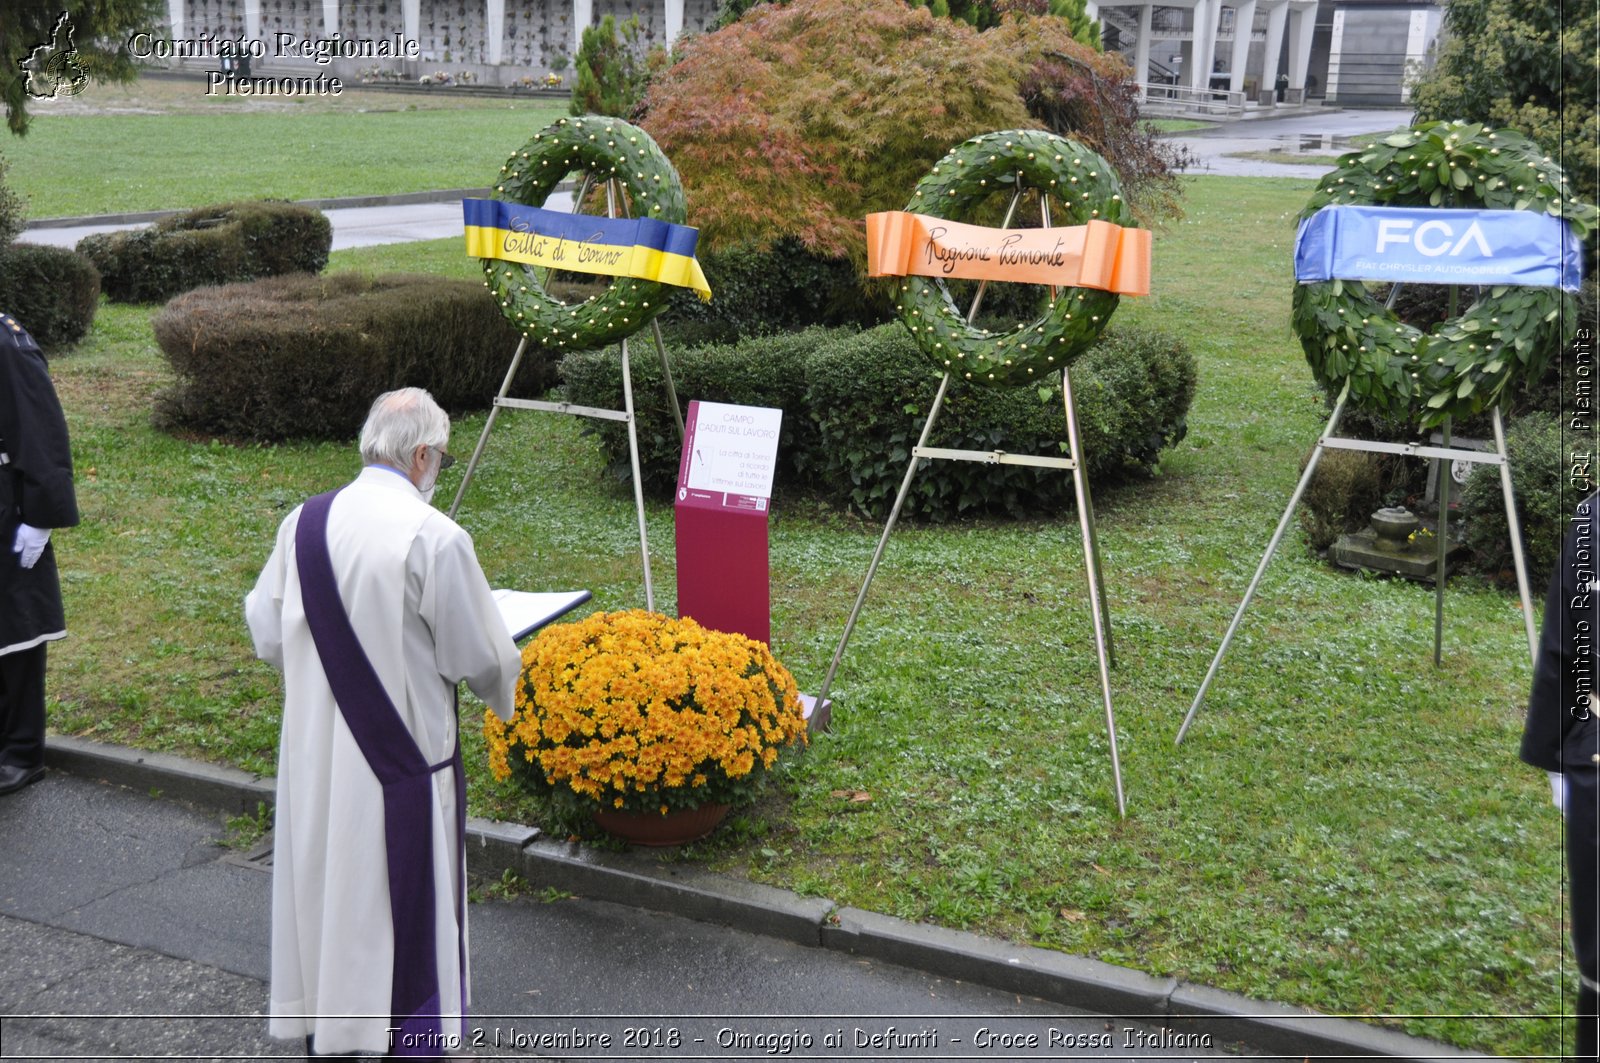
column 613, row 208
column 1266, row 559
column 638, row 480
column 883, row 541
column 1080, row 475
column 483, row 437
column 1515, row 529
column 1444, row 522
column 1439, row 549
column 1085, row 502
column 905, row 488
column 666, row 378
column 1091, row 565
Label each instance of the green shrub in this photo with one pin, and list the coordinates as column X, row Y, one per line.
column 304, row 356
column 760, row 371
column 211, row 245
column 983, row 14
column 854, row 403
column 613, row 69
column 12, row 218
column 757, row 292
column 870, row 395
column 1344, row 492
column 1540, row 468
column 53, row 291
column 1522, row 66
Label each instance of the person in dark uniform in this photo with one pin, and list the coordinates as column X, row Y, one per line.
column 1560, row 736
column 35, row 496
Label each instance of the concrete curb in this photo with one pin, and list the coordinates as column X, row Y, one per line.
column 642, row 881
column 1279, row 1028
column 1087, row 984
column 226, row 789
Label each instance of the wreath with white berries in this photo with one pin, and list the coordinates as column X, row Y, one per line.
column 1086, row 188
column 606, row 149
column 1508, row 333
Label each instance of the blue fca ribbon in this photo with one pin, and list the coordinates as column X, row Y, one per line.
column 1433, row 246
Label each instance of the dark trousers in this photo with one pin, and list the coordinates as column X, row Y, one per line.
column 1583, row 856
column 22, row 707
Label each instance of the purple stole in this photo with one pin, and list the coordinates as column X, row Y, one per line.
column 407, row 780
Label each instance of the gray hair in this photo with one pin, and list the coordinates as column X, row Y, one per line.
column 399, row 422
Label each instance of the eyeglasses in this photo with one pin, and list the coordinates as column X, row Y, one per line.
column 446, row 459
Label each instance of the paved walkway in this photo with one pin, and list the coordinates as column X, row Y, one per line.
column 128, row 930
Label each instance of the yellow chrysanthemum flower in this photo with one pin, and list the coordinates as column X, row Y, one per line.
column 632, row 708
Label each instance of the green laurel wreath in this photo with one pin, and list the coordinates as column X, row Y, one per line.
column 1086, row 188
column 607, row 149
column 1508, row 333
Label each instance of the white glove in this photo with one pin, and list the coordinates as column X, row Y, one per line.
column 1558, row 791
column 30, row 543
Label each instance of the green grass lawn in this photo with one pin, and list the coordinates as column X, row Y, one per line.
column 1297, row 158
column 1287, row 158
column 1177, row 125
column 1347, row 827
column 96, row 163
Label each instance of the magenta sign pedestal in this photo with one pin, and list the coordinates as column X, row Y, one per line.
column 724, row 484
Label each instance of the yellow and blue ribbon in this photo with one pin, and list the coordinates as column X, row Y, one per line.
column 644, row 248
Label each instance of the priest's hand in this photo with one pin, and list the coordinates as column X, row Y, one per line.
column 30, row 543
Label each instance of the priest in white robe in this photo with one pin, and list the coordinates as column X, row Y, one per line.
column 368, row 892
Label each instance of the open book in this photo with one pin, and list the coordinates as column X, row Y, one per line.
column 527, row 611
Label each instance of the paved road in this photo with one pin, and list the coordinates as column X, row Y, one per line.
column 1316, row 133
column 352, row 226
column 125, row 931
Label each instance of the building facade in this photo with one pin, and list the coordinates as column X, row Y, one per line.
column 1189, row 52
column 495, row 41
column 1349, row 52
column 1377, row 47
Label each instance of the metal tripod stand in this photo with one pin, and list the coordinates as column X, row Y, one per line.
column 1329, row 441
column 1080, row 480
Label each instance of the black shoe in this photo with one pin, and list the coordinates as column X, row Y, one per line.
column 14, row 777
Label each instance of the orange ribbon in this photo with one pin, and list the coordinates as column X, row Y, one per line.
column 1097, row 255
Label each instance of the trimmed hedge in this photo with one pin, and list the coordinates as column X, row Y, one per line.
column 854, row 404
column 219, row 244
column 760, row 371
column 52, row 291
column 871, row 396
column 302, row 357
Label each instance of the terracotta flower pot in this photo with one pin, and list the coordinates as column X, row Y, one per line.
column 653, row 828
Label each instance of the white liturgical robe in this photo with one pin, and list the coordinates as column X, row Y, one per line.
column 424, row 614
